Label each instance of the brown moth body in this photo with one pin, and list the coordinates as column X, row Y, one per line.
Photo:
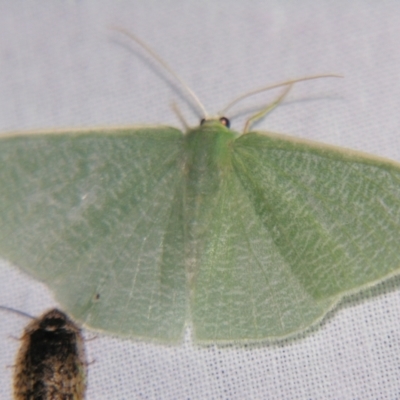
column 51, row 362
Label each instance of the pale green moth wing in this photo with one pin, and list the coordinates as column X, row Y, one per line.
column 285, row 231
column 97, row 215
column 248, row 237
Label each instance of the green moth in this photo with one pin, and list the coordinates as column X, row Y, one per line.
column 140, row 231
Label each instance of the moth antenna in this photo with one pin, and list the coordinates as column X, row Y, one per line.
column 179, row 115
column 264, row 89
column 17, row 312
column 150, row 51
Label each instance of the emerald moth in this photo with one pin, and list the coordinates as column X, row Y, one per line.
column 140, row 231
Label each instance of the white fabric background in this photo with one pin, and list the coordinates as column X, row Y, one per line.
column 60, row 66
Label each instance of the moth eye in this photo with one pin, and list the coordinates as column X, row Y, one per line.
column 225, row 121
column 202, row 121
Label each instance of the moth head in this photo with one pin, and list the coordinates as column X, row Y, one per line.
column 223, row 120
column 53, row 320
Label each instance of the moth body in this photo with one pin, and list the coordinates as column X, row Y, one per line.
column 51, row 362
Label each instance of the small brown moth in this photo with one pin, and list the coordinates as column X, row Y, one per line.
column 51, row 362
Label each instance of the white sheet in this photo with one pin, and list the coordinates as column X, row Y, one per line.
column 60, row 66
